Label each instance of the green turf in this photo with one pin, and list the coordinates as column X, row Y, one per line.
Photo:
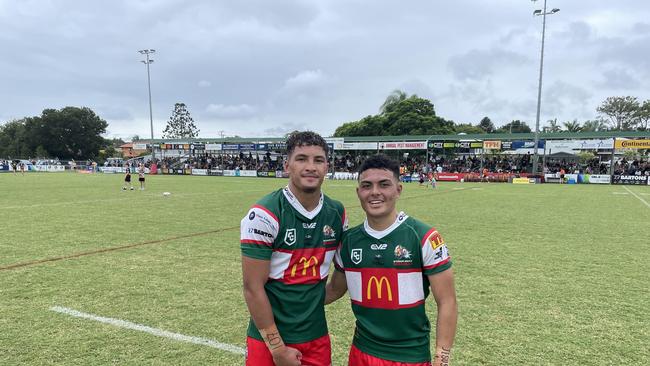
column 545, row 274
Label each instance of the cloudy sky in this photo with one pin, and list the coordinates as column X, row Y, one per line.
column 265, row 67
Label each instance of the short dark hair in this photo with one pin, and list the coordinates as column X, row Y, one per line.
column 380, row 161
column 305, row 138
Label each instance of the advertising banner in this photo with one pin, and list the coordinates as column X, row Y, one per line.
column 266, row 174
column 230, row 146
column 229, row 173
column 277, row 146
column 48, row 168
column 527, row 144
column 492, row 145
column 355, row 146
column 139, row 146
column 197, row 146
column 632, row 144
column 455, row 144
column 449, row 177
column 522, row 180
column 213, row 147
column 248, row 173
column 597, row 179
column 630, row 179
column 417, row 145
column 281, row 174
column 199, row 172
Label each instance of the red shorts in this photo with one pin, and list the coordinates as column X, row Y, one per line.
column 358, row 358
column 315, row 353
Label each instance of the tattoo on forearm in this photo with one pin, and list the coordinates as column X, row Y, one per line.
column 274, row 340
column 444, row 355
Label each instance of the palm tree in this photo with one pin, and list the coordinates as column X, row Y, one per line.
column 553, row 126
column 573, row 126
column 395, row 97
column 594, row 125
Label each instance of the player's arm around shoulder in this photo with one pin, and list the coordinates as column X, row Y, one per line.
column 337, row 285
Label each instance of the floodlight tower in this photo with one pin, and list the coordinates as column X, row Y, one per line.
column 542, row 13
column 147, row 62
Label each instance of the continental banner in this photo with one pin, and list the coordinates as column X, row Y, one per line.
column 630, row 179
column 632, row 144
column 523, row 181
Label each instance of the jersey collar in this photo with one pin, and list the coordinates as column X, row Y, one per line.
column 401, row 217
column 299, row 207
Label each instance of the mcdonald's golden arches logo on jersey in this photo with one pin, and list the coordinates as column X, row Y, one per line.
column 378, row 286
column 306, row 264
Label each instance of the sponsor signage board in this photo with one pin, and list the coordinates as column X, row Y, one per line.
column 139, row 146
column 492, row 145
column 632, row 144
column 213, row 147
column 527, row 144
column 199, row 172
column 449, row 177
column 521, row 181
column 598, row 178
column 416, row 145
column 266, row 174
column 355, row 146
column 630, row 179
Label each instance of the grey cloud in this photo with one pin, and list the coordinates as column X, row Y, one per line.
column 618, row 79
column 479, row 64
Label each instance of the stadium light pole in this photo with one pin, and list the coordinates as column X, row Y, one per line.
column 147, row 62
column 543, row 13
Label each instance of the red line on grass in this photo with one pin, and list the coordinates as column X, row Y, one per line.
column 111, row 249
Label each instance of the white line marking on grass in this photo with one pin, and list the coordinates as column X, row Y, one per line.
column 154, row 331
column 640, row 199
column 623, row 193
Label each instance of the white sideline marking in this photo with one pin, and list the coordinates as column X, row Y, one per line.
column 625, row 193
column 640, row 199
column 154, row 331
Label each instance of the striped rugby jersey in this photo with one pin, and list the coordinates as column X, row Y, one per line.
column 300, row 246
column 386, row 273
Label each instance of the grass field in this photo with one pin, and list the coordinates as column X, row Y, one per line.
column 545, row 274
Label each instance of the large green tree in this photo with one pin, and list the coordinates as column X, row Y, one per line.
column 486, row 125
column 180, row 124
column 69, row 133
column 515, row 126
column 468, row 128
column 621, row 112
column 643, row 115
column 400, row 115
column 12, row 140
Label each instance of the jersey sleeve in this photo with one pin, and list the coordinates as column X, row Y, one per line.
column 259, row 228
column 435, row 255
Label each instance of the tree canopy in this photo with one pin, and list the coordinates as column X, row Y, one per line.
column 68, row 133
column 399, row 115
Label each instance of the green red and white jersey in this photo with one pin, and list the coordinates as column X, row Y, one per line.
column 386, row 273
column 300, row 246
